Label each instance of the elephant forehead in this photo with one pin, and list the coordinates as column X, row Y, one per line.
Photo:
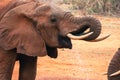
column 55, row 9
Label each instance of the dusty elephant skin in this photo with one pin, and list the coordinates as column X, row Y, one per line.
column 29, row 29
column 114, row 67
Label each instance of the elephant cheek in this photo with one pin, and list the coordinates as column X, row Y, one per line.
column 50, row 37
column 52, row 52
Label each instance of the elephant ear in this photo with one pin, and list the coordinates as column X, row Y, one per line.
column 18, row 31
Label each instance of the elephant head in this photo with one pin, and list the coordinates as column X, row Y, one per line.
column 114, row 67
column 37, row 29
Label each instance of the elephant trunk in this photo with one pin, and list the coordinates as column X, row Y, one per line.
column 83, row 24
column 114, row 67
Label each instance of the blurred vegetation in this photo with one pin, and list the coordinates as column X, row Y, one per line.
column 104, row 7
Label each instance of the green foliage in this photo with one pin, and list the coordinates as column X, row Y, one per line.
column 108, row 7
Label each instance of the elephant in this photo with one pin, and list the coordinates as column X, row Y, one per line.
column 114, row 67
column 31, row 29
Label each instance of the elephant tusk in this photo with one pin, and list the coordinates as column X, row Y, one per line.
column 71, row 36
column 115, row 74
column 100, row 39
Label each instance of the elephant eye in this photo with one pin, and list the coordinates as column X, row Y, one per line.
column 53, row 19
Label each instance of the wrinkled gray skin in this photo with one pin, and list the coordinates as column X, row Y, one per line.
column 29, row 29
column 114, row 66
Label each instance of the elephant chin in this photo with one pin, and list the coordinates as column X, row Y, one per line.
column 52, row 52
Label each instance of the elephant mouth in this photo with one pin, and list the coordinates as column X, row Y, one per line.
column 65, row 42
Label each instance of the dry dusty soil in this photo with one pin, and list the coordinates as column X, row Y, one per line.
column 86, row 61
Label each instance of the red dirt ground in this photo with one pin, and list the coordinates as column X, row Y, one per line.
column 86, row 61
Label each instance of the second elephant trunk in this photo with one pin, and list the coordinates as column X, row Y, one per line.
column 114, row 66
